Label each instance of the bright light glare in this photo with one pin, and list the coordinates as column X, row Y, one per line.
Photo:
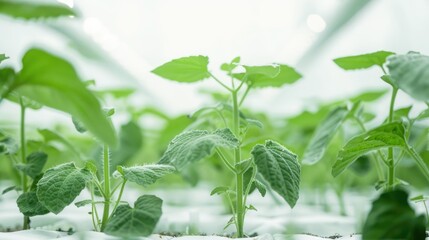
column 316, row 23
column 69, row 3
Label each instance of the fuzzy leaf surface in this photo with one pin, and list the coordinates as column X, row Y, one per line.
column 32, row 10
column 147, row 174
column 35, row 163
column 387, row 135
column 410, row 73
column 138, row 221
column 280, row 168
column 391, row 217
column 195, row 145
column 186, row 69
column 29, row 204
column 324, row 134
column 363, row 61
column 53, row 82
column 60, row 185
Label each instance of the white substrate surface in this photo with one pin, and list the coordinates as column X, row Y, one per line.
column 193, row 211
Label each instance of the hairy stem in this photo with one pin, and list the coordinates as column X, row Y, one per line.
column 391, row 161
column 26, row 222
column 106, row 169
column 240, row 204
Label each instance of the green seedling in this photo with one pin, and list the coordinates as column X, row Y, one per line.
column 408, row 73
column 37, row 85
column 401, row 72
column 270, row 161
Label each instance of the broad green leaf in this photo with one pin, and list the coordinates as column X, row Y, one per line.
column 363, row 61
column 410, row 73
column 35, row 163
column 391, row 217
column 34, row 10
column 147, row 174
column 262, row 189
column 116, row 93
column 270, row 71
column 60, row 185
column 29, row 204
column 255, row 123
column 280, row 168
column 51, row 136
column 192, row 146
column 287, row 75
column 3, row 57
column 53, row 82
column 186, row 69
column 228, row 67
column 387, row 135
column 219, row 190
column 324, row 134
column 26, row 102
column 369, row 96
column 138, row 221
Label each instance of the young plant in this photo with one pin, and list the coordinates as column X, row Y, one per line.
column 408, row 73
column 276, row 164
column 37, row 85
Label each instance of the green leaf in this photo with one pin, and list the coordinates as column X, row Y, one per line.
column 228, row 67
column 3, row 57
column 325, row 132
column 287, row 75
column 391, row 217
column 369, row 96
column 255, row 123
column 423, row 115
column 410, row 73
column 270, row 71
column 8, row 146
column 192, row 146
column 32, row 10
column 387, row 135
column 51, row 136
column 363, row 61
column 29, row 204
column 219, row 190
column 60, row 185
column 280, row 168
column 138, row 221
column 186, row 69
column 83, row 203
column 145, row 175
column 35, row 163
column 400, row 113
column 78, row 125
column 262, row 189
column 53, row 82
column 8, row 189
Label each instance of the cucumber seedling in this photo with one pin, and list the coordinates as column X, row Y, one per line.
column 275, row 163
column 408, row 73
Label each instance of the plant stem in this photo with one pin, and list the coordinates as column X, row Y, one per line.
column 106, row 168
column 420, row 162
column 240, row 204
column 222, row 84
column 391, row 161
column 26, row 223
column 118, row 200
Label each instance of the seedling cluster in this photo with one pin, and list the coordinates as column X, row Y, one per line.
column 342, row 144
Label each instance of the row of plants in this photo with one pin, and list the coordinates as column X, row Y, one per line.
column 244, row 148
